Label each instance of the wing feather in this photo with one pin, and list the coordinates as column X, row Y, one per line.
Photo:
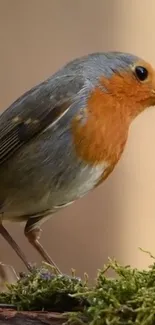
column 35, row 110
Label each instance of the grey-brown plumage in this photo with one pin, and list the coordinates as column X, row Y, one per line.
column 40, row 170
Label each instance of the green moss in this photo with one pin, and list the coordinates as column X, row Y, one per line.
column 44, row 290
column 128, row 298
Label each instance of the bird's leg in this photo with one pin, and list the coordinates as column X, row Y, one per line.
column 33, row 236
column 15, row 247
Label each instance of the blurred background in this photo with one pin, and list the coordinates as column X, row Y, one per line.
column 38, row 37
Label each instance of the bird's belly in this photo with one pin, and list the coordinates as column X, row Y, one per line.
column 45, row 176
column 62, row 190
column 80, row 183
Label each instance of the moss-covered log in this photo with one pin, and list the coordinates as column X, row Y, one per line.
column 44, row 298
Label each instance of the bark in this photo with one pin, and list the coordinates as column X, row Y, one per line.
column 13, row 317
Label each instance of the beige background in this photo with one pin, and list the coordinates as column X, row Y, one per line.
column 36, row 38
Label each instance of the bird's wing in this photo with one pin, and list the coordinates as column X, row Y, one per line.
column 34, row 111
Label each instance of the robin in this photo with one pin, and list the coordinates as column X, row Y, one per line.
column 62, row 138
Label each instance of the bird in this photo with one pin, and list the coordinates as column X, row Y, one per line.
column 62, row 138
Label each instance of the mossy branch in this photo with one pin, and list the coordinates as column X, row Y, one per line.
column 46, row 298
column 11, row 317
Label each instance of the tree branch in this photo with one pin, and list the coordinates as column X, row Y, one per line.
column 13, row 317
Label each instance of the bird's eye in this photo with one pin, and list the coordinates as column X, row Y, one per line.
column 141, row 73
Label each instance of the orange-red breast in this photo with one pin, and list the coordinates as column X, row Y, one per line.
column 63, row 137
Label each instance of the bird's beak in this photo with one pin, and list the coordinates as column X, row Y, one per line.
column 153, row 96
column 153, row 83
